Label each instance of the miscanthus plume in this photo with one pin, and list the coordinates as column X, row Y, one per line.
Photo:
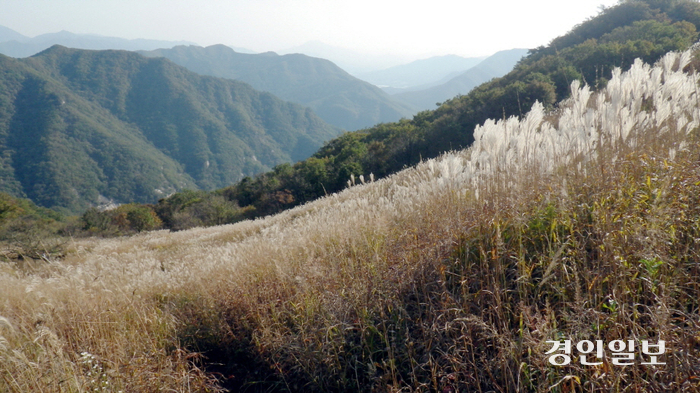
column 645, row 107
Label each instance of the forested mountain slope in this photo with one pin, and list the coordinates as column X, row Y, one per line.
column 336, row 96
column 644, row 29
column 76, row 125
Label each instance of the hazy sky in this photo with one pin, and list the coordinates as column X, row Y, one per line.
column 415, row 28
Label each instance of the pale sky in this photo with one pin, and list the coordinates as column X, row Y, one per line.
column 409, row 28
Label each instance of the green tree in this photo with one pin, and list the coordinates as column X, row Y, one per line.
column 141, row 218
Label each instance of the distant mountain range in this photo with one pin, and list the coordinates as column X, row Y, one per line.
column 420, row 74
column 336, row 96
column 14, row 44
column 7, row 34
column 80, row 126
column 354, row 62
column 494, row 66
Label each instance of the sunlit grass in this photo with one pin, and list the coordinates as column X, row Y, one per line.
column 450, row 276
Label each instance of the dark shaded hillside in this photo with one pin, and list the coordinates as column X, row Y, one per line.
column 79, row 124
column 337, row 97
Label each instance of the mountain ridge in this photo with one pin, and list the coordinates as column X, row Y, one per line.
column 493, row 66
column 7, row 34
column 77, row 124
column 19, row 46
column 350, row 60
column 336, row 96
column 420, row 72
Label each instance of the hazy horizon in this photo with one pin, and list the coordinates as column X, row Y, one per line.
column 375, row 28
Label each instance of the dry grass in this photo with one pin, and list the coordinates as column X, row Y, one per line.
column 450, row 276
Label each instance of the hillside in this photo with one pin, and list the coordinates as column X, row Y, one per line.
column 456, row 275
column 14, row 44
column 337, row 97
column 632, row 29
column 81, row 126
column 495, row 66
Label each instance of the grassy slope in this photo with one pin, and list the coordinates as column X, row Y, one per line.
column 450, row 276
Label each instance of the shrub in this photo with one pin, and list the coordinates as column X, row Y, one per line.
column 125, row 219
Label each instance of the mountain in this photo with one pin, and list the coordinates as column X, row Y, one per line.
column 588, row 54
column 494, row 66
column 350, row 60
column 420, row 72
column 16, row 45
column 7, row 34
column 337, row 97
column 80, row 126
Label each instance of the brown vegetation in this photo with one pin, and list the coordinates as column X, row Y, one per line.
column 450, row 276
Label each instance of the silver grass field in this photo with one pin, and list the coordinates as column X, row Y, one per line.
column 577, row 223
